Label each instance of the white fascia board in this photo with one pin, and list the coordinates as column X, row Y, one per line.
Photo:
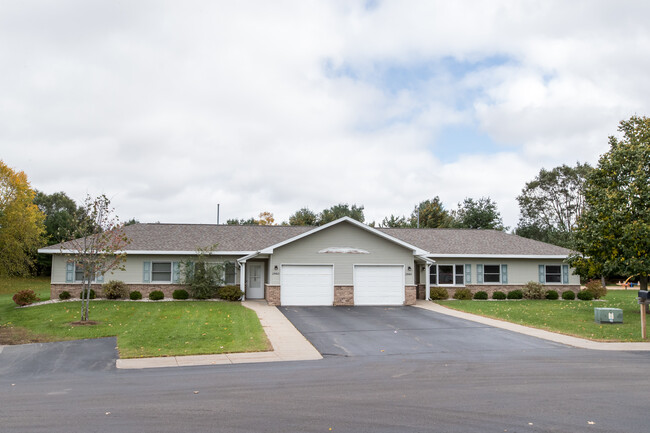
column 248, row 257
column 500, row 256
column 152, row 253
column 416, row 251
column 426, row 259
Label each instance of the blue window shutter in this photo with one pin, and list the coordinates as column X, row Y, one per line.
column 468, row 274
column 146, row 272
column 479, row 274
column 504, row 274
column 99, row 278
column 176, row 272
column 542, row 274
column 565, row 274
column 69, row 272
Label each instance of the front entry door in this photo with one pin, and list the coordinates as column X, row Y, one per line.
column 255, row 283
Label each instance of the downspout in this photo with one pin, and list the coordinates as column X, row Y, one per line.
column 427, row 279
column 242, row 279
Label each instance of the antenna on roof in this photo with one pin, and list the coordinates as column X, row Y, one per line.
column 217, row 213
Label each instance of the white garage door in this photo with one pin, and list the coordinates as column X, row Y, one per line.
column 378, row 285
column 306, row 285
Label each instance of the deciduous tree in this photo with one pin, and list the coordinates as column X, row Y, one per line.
column 266, row 219
column 339, row 211
column 551, row 204
column 303, row 217
column 478, row 214
column 96, row 244
column 430, row 214
column 21, row 223
column 613, row 233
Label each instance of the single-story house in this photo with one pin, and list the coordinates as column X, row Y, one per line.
column 344, row 262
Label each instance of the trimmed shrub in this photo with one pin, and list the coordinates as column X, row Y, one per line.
column 596, row 288
column 533, row 290
column 25, row 297
column 92, row 294
column 439, row 293
column 180, row 294
column 552, row 295
column 156, row 295
column 480, row 296
column 135, row 295
column 230, row 293
column 568, row 295
column 115, row 290
column 463, row 294
column 64, row 295
column 499, row 295
column 515, row 294
column 585, row 295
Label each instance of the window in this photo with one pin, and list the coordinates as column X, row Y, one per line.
column 553, row 274
column 79, row 273
column 231, row 273
column 492, row 273
column 448, row 275
column 161, row 271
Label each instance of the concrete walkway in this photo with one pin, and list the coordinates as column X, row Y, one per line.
column 534, row 332
column 288, row 345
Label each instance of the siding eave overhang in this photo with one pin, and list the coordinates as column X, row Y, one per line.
column 153, row 252
column 416, row 251
column 501, row 256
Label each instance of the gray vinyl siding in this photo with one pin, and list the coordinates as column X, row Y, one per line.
column 305, row 251
column 132, row 273
column 520, row 271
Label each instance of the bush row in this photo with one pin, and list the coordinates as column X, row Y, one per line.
column 119, row 290
column 532, row 290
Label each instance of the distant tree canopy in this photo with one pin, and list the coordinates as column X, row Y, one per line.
column 61, row 215
column 303, row 217
column 339, row 211
column 613, row 232
column 431, row 214
column 478, row 214
column 551, row 204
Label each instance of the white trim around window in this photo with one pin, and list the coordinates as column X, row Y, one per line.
column 447, row 275
column 491, row 274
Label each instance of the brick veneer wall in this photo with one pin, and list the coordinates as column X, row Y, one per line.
column 343, row 295
column 145, row 289
column 272, row 294
column 410, row 295
column 422, row 291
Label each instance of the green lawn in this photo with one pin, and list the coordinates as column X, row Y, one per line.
column 142, row 328
column 566, row 317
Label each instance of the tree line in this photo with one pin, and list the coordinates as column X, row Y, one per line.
column 601, row 213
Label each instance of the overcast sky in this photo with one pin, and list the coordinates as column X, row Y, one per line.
column 169, row 108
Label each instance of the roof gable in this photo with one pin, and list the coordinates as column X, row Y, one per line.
column 416, row 250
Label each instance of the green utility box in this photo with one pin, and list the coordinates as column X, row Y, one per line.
column 608, row 315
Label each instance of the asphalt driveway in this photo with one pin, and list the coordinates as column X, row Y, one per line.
column 382, row 331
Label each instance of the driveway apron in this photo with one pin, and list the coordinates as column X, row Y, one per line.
column 381, row 331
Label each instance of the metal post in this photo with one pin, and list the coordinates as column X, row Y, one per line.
column 217, row 213
column 643, row 333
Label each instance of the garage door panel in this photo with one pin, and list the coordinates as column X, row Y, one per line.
column 307, row 285
column 378, row 285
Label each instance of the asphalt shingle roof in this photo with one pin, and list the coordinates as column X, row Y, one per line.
column 468, row 241
column 189, row 237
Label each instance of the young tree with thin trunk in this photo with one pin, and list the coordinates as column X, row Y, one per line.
column 96, row 246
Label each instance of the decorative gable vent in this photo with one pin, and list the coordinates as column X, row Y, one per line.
column 342, row 250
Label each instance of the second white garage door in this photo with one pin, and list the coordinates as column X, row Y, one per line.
column 306, row 285
column 378, row 285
